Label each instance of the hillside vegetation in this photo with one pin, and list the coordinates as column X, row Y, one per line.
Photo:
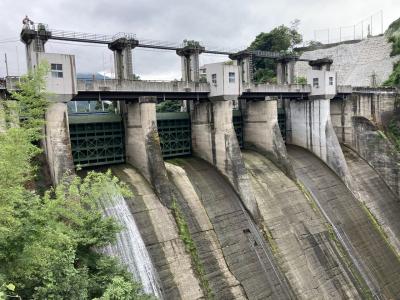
column 48, row 242
column 393, row 35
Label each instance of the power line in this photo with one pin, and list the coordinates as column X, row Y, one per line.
column 8, row 41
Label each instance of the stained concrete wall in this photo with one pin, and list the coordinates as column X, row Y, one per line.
column 376, row 105
column 307, row 252
column 376, row 195
column 311, row 128
column 214, row 140
column 378, row 151
column 245, row 250
column 358, row 123
column 142, row 145
column 57, row 144
column 370, row 253
column 261, row 132
column 161, row 237
column 222, row 282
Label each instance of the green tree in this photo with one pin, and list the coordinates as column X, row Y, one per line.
column 394, row 78
column 393, row 35
column 48, row 243
column 279, row 39
column 169, row 106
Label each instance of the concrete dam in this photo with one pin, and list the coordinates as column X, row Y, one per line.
column 252, row 191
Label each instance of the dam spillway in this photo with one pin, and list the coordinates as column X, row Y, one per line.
column 380, row 265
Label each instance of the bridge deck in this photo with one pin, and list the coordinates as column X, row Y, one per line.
column 260, row 91
column 114, row 89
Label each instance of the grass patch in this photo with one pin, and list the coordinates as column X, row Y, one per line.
column 191, row 249
column 268, row 237
column 175, row 161
column 308, row 197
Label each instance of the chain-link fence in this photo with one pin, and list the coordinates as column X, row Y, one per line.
column 373, row 25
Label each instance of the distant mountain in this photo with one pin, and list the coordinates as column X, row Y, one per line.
column 89, row 76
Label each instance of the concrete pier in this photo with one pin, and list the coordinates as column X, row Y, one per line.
column 142, row 144
column 57, row 144
column 122, row 49
column 285, row 71
column 311, row 128
column 214, row 140
column 262, row 133
column 190, row 60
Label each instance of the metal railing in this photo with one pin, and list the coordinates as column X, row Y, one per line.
column 147, row 43
column 80, row 36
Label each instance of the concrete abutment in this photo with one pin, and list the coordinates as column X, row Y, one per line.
column 57, row 143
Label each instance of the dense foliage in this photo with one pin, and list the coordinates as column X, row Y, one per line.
column 48, row 243
column 169, row 106
column 281, row 38
column 394, row 131
column 394, row 78
column 393, row 34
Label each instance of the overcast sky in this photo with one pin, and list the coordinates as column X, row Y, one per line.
column 227, row 24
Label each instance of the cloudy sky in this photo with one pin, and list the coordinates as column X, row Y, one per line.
column 225, row 24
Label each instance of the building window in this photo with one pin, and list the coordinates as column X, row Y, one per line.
column 56, row 71
column 330, row 80
column 231, row 77
column 214, row 78
column 315, row 83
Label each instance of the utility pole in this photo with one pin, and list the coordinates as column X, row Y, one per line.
column 362, row 29
column 16, row 49
column 371, row 26
column 5, row 60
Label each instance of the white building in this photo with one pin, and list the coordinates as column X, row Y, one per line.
column 223, row 78
column 321, row 78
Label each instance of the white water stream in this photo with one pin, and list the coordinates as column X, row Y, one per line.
column 129, row 246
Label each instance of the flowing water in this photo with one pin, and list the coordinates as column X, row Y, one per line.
column 129, row 246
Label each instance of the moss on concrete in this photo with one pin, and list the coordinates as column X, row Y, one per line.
column 378, row 227
column 191, row 249
column 308, row 197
